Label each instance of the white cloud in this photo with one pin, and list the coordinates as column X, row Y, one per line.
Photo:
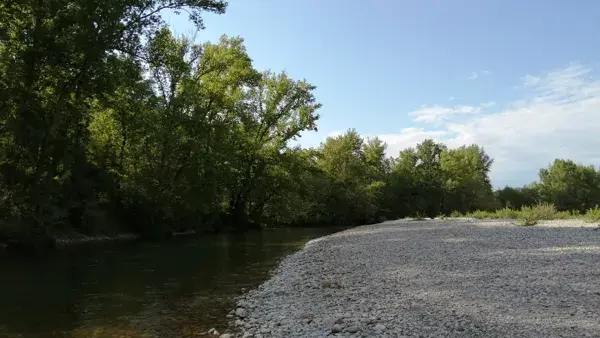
column 410, row 137
column 451, row 98
column 437, row 114
column 475, row 75
column 558, row 117
column 335, row 133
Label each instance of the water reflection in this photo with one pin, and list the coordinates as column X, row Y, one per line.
column 178, row 288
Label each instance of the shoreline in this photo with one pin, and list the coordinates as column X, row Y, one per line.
column 441, row 277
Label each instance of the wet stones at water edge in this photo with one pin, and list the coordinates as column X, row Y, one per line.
column 214, row 332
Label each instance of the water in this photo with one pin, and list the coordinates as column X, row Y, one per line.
column 177, row 288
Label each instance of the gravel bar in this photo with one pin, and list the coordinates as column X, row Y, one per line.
column 434, row 278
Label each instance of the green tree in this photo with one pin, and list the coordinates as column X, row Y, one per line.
column 569, row 186
column 516, row 198
column 467, row 186
column 55, row 62
column 423, row 180
column 271, row 114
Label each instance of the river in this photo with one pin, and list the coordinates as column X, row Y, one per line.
column 176, row 288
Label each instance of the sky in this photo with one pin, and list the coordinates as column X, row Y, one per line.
column 519, row 78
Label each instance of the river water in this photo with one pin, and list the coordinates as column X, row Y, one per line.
column 176, row 288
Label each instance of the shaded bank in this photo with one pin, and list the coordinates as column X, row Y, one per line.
column 178, row 287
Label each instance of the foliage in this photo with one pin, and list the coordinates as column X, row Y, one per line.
column 531, row 215
column 110, row 123
column 456, row 214
column 593, row 214
column 507, row 213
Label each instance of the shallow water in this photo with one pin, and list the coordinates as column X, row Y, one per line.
column 176, row 288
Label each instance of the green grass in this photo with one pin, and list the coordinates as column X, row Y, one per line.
column 528, row 216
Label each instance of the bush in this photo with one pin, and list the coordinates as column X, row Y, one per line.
column 480, row 214
column 507, row 213
column 593, row 214
column 566, row 215
column 531, row 215
column 419, row 216
column 456, row 214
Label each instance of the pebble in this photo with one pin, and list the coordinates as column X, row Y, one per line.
column 379, row 328
column 240, row 312
column 433, row 278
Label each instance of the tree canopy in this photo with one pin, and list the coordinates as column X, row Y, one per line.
column 110, row 123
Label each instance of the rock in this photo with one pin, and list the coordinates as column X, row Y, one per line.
column 212, row 331
column 337, row 328
column 240, row 312
column 379, row 328
column 353, row 329
column 248, row 335
column 226, row 335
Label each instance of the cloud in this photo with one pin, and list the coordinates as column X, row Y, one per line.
column 558, row 116
column 437, row 114
column 451, row 98
column 335, row 133
column 410, row 137
column 475, row 75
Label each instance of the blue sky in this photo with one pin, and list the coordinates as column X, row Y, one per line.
column 517, row 77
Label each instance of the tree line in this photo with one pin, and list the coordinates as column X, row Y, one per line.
column 110, row 123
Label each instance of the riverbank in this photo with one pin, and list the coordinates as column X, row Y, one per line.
column 434, row 278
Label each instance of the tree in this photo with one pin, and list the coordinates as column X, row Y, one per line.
column 569, row 186
column 55, row 61
column 467, row 186
column 271, row 114
column 420, row 166
column 516, row 198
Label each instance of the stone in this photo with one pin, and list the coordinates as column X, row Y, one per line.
column 240, row 312
column 226, row 335
column 353, row 329
column 379, row 328
column 337, row 328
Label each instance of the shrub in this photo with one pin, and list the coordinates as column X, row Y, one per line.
column 507, row 213
column 419, row 216
column 566, row 215
column 531, row 215
column 593, row 214
column 455, row 214
column 480, row 214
